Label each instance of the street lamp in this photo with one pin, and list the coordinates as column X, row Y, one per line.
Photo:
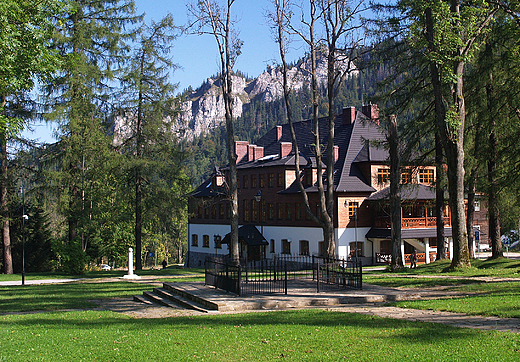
column 24, row 217
column 258, row 198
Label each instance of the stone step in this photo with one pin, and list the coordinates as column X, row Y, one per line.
column 159, row 300
column 142, row 299
column 179, row 300
column 185, row 293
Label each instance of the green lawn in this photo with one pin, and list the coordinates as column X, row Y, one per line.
column 502, row 267
column 307, row 335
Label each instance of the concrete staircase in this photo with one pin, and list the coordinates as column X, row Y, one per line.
column 173, row 297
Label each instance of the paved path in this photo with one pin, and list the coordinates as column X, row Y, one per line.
column 40, row 281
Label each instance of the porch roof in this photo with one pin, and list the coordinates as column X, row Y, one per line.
column 408, row 192
column 386, row 233
column 249, row 235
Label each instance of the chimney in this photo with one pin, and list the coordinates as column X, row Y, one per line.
column 285, row 148
column 336, row 153
column 259, row 152
column 278, row 133
column 241, row 149
column 372, row 112
column 250, row 153
column 349, row 115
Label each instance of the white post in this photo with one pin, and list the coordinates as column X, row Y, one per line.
column 131, row 274
column 450, row 247
column 427, row 249
column 402, row 250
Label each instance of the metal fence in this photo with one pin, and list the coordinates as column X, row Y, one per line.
column 272, row 275
column 339, row 274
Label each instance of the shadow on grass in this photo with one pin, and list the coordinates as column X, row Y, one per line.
column 417, row 332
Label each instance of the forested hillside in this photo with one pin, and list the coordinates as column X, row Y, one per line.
column 209, row 149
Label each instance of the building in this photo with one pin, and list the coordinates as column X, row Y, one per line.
column 271, row 212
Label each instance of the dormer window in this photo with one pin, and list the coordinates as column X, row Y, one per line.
column 406, row 177
column 426, row 176
column 383, row 175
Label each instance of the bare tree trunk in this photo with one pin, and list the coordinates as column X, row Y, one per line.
column 439, row 199
column 395, row 193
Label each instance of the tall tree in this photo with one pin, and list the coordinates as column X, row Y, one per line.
column 91, row 37
column 446, row 34
column 149, row 101
column 211, row 18
column 25, row 55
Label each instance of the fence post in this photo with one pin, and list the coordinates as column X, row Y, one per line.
column 285, row 278
column 239, row 280
column 318, row 276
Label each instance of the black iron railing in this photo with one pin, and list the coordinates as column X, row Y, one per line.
column 272, row 275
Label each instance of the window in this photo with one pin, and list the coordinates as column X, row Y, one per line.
column 221, row 210
column 270, row 209
column 246, row 210
column 298, row 211
column 194, row 240
column 288, row 211
column 304, row 247
column 385, row 247
column 213, row 211
column 199, row 212
column 356, row 248
column 279, row 211
column 271, row 246
column 352, row 207
column 228, row 211
column 263, row 212
column 205, row 241
column 253, row 181
column 321, row 248
column 206, row 212
column 262, row 180
column 383, row 175
column 218, row 241
column 426, row 176
column 270, row 180
column 245, row 181
column 406, row 177
column 286, row 246
column 280, row 179
column 254, row 211
column 477, row 205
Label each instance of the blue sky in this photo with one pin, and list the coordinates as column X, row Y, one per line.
column 197, row 56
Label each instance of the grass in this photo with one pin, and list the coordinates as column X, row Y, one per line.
column 64, row 296
column 493, row 299
column 501, row 267
column 306, row 335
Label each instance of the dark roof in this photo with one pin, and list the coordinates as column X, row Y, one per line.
column 386, row 233
column 207, row 189
column 351, row 139
column 408, row 192
column 248, row 234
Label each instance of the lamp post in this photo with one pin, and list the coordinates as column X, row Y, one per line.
column 24, row 217
column 258, row 198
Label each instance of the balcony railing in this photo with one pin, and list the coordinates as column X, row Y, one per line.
column 411, row 222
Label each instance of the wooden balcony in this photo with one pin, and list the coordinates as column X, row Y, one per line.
column 411, row 222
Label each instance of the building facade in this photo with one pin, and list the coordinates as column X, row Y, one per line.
column 273, row 219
